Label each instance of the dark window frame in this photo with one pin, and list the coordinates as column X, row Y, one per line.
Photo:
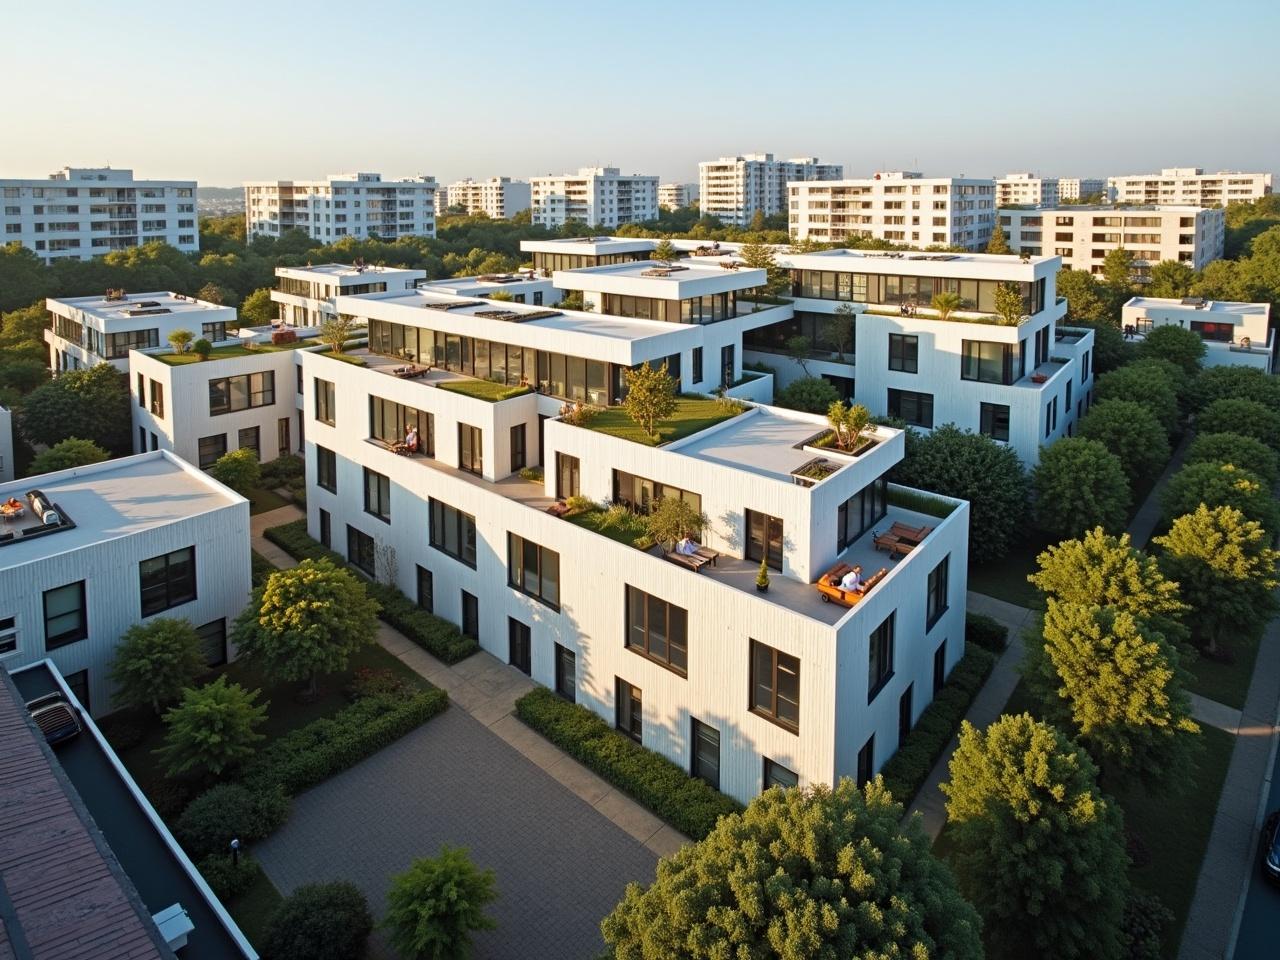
column 904, row 351
column 937, row 588
column 696, row 762
column 990, row 419
column 880, row 657
column 635, row 596
column 362, row 546
column 772, row 711
column 66, row 637
column 518, row 552
column 325, row 401
column 206, row 460
column 628, row 709
column 175, row 589
column 770, row 776
column 377, row 496
column 326, row 469
column 441, row 516
column 425, row 582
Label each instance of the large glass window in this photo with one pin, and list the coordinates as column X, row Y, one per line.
column 658, row 630
column 213, row 641
column 764, row 539
column 453, row 532
column 639, row 494
column 706, row 753
column 986, row 362
column 534, row 570
column 326, row 405
column 470, row 449
column 361, row 552
column 377, row 495
column 326, row 469
column 65, row 619
column 168, row 580
column 251, row 439
column 936, row 600
column 629, row 708
column 119, row 344
column 390, row 422
column 994, row 421
column 566, row 673
column 880, row 657
column 915, row 408
column 211, row 450
column 244, row 392
column 775, row 685
column 904, row 353
column 856, row 515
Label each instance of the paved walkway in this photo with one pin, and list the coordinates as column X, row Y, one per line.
column 986, row 707
column 1147, row 518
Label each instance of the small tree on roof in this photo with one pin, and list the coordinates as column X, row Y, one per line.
column 651, row 396
column 180, row 340
column 336, row 331
column 673, row 519
column 665, row 252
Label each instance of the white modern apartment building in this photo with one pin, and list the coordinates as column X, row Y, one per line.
column 1083, row 235
column 740, row 687
column 306, row 294
column 103, row 547
column 87, row 331
column 1077, row 188
column 525, row 287
column 86, row 212
column 1190, row 186
column 674, row 196
column 1234, row 334
column 1024, row 384
column 733, row 189
column 599, row 196
column 899, row 206
column 359, row 205
column 1026, row 188
column 499, row 198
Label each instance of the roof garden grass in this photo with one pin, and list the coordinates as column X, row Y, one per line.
column 233, row 350
column 693, row 413
column 484, row 389
column 630, row 532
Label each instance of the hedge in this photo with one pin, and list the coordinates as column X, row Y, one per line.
column 228, row 878
column 440, row 638
column 324, row 747
column 228, row 812
column 987, row 632
column 688, row 804
column 906, row 770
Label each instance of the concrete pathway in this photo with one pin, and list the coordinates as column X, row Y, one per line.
column 1147, row 518
column 986, row 707
column 259, row 522
column 1215, row 714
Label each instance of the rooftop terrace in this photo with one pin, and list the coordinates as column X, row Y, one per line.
column 130, row 306
column 344, row 270
column 1227, row 308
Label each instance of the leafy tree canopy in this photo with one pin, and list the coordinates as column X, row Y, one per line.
column 155, row 661
column 1079, row 484
column 811, row 394
column 1143, row 383
column 1249, row 417
column 1175, row 344
column 213, row 729
column 1219, row 485
column 1247, row 453
column 92, row 404
column 434, row 905
column 1131, row 432
column 66, row 454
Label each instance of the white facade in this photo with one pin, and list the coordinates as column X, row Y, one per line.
column 1026, row 188
column 1234, row 334
column 306, row 294
column 86, row 212
column 1189, row 185
column 732, row 189
column 68, row 593
column 899, row 206
column 87, row 331
column 499, row 198
column 674, row 196
column 6, row 445
column 526, row 287
column 1077, row 188
column 357, row 205
column 1083, row 235
column 598, row 196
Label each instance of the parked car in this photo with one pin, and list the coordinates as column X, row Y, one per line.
column 1269, row 847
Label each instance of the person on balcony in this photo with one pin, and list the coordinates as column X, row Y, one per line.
column 686, row 547
column 852, row 581
column 411, row 440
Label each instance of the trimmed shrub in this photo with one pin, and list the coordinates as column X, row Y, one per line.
column 284, row 336
column 170, row 796
column 238, row 469
column 1132, row 432
column 1247, row 453
column 906, row 770
column 1145, row 918
column 227, row 812
column 987, row 632
column 440, row 638
column 228, row 878
column 370, row 682
column 1219, row 485
column 303, row 757
column 1249, row 417
column 1229, row 383
column 319, row 921
column 1147, row 382
column 688, row 804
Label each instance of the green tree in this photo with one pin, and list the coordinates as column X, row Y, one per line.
column 811, row 394
column 651, row 396
column 1009, row 306
column 806, row 872
column 1117, row 271
column 203, row 348
column 1227, row 570
column 1110, row 349
column 1145, row 384
column 1235, row 383
column 216, row 293
column 213, row 729
column 238, row 469
column 1176, row 344
column 1249, row 417
column 837, row 330
column 760, row 256
column 757, row 224
column 672, row 519
column 665, row 252
column 1219, row 485
column 91, row 404
column 155, row 661
column 1086, row 298
column 1039, row 848
column 320, row 921
column 433, row 907
column 1247, row 453
column 180, row 340
column 1131, row 432
column 1079, row 484
column 998, row 243
column 258, row 310
column 66, row 454
column 945, row 303
column 969, row 466
column 1170, row 278
column 848, row 423
column 1099, row 569
column 1118, row 685
column 336, row 331
column 306, row 620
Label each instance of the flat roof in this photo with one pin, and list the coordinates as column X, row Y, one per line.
column 344, row 271
column 590, row 246
column 1235, row 308
column 1105, row 208
column 143, row 847
column 109, row 500
column 674, row 281
column 135, row 305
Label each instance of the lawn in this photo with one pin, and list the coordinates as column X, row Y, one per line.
column 261, row 500
column 252, row 910
column 1005, row 578
column 484, row 389
column 235, row 350
column 1226, row 682
column 693, row 413
column 593, row 520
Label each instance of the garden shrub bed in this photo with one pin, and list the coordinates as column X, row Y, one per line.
column 906, row 770
column 440, row 638
column 688, row 804
column 987, row 632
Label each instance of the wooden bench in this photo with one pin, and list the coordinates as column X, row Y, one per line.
column 829, row 585
column 693, row 562
column 914, row 534
column 891, row 544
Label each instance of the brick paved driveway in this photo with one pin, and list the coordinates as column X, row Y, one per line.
column 560, row 864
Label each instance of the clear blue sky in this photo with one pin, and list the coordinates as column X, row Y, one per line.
column 229, row 91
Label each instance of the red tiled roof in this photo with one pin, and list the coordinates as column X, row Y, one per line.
column 62, row 895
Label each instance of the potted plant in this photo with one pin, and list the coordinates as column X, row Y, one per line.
column 762, row 578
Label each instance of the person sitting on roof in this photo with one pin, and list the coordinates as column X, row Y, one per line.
column 852, row 581
column 686, row 547
column 411, row 440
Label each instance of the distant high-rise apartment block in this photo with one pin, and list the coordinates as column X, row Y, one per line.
column 733, row 189
column 898, row 206
column 86, row 212
column 497, row 197
column 1015, row 188
column 599, row 196
column 1078, row 188
column 1083, row 235
column 356, row 205
column 673, row 196
column 1189, row 185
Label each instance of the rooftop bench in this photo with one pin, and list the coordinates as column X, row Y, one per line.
column 829, row 585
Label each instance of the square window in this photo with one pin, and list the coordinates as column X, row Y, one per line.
column 776, row 775
column 167, row 581
column 65, row 620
